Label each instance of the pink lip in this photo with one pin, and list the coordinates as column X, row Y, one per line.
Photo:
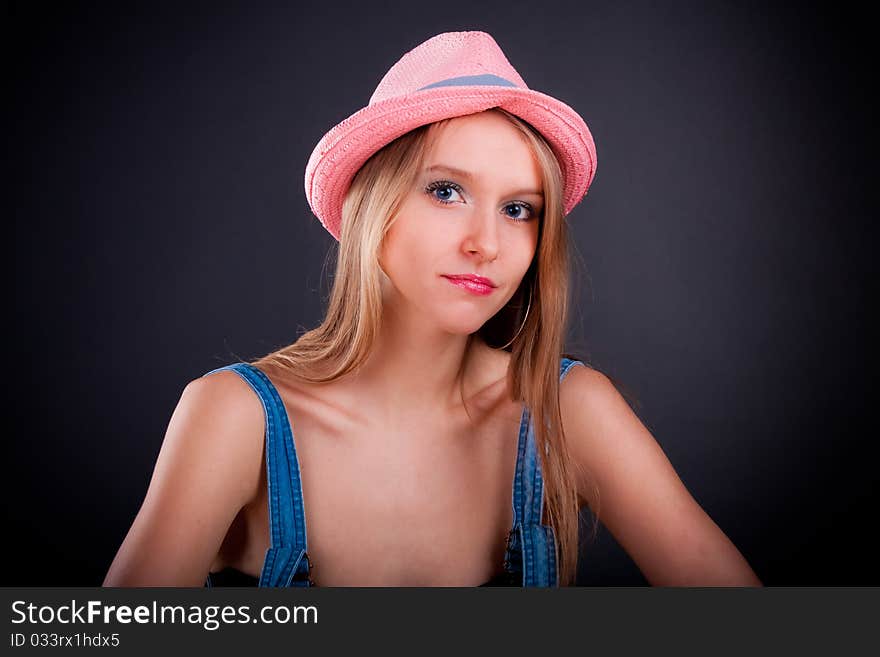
column 471, row 283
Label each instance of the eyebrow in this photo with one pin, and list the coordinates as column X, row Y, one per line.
column 467, row 175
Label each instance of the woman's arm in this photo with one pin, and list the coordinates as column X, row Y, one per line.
column 208, row 468
column 642, row 501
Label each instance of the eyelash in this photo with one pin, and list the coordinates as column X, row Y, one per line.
column 440, row 184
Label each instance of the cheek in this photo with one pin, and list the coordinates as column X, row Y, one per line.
column 523, row 249
column 407, row 253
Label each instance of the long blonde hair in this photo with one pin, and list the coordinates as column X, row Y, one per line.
column 535, row 319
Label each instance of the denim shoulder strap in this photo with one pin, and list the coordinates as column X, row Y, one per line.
column 536, row 541
column 286, row 562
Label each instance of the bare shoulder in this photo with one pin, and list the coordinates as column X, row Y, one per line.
column 590, row 399
column 606, row 438
column 594, row 414
column 223, row 390
column 583, row 383
column 634, row 489
column 208, row 468
column 222, row 419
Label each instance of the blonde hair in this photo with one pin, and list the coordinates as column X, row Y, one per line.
column 535, row 319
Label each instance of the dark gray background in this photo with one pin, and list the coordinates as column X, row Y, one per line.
column 161, row 230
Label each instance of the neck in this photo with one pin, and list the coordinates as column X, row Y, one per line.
column 412, row 368
column 415, row 367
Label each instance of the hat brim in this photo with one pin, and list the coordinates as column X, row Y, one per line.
column 349, row 144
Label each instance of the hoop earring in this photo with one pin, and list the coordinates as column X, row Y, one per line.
column 528, row 308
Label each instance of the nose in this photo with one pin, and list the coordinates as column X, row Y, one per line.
column 482, row 236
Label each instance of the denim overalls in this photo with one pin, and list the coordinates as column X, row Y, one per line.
column 530, row 558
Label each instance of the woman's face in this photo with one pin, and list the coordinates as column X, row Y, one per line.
column 473, row 212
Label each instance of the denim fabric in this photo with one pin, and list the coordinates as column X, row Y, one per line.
column 530, row 556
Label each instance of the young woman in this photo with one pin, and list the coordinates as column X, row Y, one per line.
column 429, row 432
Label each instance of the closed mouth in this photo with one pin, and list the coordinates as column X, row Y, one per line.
column 471, row 278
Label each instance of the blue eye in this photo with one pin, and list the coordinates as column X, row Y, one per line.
column 519, row 211
column 444, row 191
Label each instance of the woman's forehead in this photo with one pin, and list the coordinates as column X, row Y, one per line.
column 483, row 129
column 482, row 145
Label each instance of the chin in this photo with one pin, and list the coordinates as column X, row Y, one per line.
column 461, row 326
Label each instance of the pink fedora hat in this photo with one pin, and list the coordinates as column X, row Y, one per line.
column 449, row 75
